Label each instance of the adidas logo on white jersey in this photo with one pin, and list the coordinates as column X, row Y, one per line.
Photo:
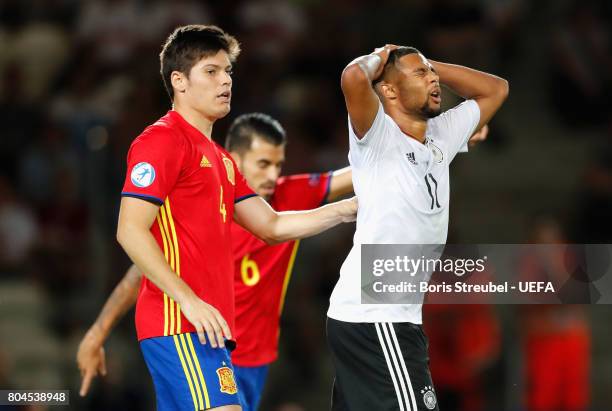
column 411, row 158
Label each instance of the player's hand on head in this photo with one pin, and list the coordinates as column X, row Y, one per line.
column 207, row 321
column 386, row 49
column 383, row 53
column 479, row 136
column 91, row 360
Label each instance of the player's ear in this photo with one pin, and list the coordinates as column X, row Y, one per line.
column 387, row 90
column 179, row 81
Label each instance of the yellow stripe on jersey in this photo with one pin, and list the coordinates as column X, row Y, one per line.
column 288, row 275
column 199, row 369
column 167, row 238
column 162, row 210
column 191, row 369
column 178, row 318
column 187, row 376
column 172, row 316
column 165, row 242
column 177, row 258
column 172, row 329
column 166, row 314
column 174, row 237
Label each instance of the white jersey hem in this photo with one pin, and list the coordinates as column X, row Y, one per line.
column 349, row 315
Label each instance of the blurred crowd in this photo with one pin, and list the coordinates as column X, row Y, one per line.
column 80, row 79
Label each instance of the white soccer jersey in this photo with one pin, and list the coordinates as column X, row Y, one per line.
column 403, row 191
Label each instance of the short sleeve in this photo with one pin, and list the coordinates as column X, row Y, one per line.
column 154, row 163
column 242, row 190
column 369, row 148
column 457, row 125
column 302, row 191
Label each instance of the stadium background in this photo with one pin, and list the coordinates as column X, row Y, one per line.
column 79, row 80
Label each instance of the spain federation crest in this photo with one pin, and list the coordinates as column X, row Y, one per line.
column 226, row 380
column 229, row 168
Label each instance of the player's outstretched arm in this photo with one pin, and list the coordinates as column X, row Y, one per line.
column 274, row 227
column 359, row 96
column 341, row 184
column 90, row 357
column 488, row 90
column 135, row 219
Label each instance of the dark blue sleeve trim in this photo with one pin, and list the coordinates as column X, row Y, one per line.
column 239, row 199
column 331, row 175
column 150, row 199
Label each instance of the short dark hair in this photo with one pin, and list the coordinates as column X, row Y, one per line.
column 394, row 57
column 247, row 126
column 188, row 44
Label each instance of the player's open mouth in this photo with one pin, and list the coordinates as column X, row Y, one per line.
column 436, row 96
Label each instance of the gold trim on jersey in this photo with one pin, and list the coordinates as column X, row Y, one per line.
column 172, row 310
column 177, row 260
column 288, row 275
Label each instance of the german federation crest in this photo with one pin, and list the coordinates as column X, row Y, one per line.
column 429, row 397
column 143, row 175
column 437, row 153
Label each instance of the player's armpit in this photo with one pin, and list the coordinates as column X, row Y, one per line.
column 341, row 183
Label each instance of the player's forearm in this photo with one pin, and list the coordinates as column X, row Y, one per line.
column 293, row 225
column 141, row 247
column 119, row 302
column 363, row 68
column 469, row 83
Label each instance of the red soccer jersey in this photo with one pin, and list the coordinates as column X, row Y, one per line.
column 196, row 184
column 262, row 273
